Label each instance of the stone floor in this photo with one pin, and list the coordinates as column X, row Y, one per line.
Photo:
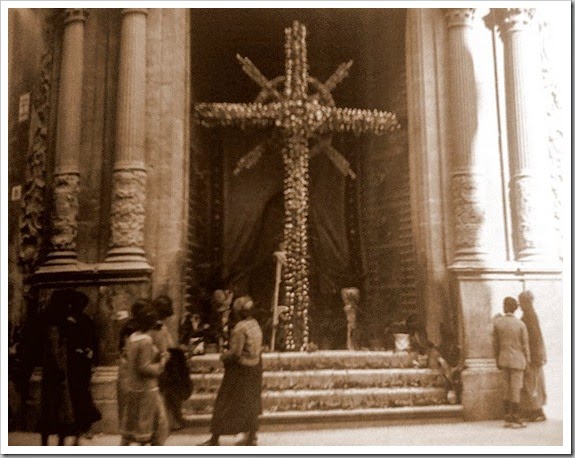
column 490, row 433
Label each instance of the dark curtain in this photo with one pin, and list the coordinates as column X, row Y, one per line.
column 255, row 214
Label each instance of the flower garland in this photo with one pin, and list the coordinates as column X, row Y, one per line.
column 299, row 116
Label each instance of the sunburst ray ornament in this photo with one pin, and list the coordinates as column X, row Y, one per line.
column 302, row 111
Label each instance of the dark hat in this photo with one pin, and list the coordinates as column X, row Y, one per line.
column 163, row 306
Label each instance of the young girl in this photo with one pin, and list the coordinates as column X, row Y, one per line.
column 143, row 415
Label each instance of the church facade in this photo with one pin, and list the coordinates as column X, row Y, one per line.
column 119, row 191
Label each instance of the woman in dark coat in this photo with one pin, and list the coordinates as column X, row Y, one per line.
column 533, row 394
column 239, row 400
column 66, row 406
column 56, row 412
column 83, row 350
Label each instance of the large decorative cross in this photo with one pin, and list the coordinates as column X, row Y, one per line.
column 300, row 117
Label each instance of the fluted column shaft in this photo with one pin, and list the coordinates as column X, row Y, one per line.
column 525, row 133
column 467, row 180
column 129, row 178
column 68, row 141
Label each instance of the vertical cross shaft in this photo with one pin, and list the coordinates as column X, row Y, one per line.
column 298, row 116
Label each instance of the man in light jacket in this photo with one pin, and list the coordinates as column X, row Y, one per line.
column 511, row 347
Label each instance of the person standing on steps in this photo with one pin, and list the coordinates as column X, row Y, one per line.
column 533, row 394
column 511, row 347
column 239, row 400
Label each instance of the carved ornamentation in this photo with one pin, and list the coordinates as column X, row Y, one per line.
column 514, row 19
column 526, row 214
column 75, row 14
column 457, row 17
column 555, row 115
column 128, row 208
column 32, row 223
column 64, row 216
column 469, row 212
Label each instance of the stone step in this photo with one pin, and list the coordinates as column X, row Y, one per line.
column 338, row 359
column 443, row 413
column 334, row 399
column 331, row 379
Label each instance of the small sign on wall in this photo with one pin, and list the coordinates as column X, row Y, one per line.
column 16, row 193
column 24, row 107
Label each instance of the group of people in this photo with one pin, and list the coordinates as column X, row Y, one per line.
column 153, row 378
column 153, row 375
column 520, row 355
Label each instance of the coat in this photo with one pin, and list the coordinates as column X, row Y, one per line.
column 536, row 343
column 510, row 342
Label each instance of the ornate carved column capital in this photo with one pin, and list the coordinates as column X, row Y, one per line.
column 514, row 19
column 75, row 14
column 459, row 17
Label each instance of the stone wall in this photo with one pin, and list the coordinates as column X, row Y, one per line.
column 167, row 148
column 31, row 60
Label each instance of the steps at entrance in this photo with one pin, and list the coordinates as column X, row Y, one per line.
column 338, row 359
column 331, row 379
column 332, row 386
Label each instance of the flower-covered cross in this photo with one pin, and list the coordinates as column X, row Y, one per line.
column 299, row 116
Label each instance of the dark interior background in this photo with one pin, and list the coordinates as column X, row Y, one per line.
column 360, row 229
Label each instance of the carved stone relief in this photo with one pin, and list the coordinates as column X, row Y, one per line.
column 555, row 115
column 526, row 214
column 64, row 216
column 32, row 223
column 468, row 211
column 513, row 19
column 459, row 16
column 75, row 14
column 128, row 208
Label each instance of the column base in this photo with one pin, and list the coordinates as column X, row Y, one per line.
column 58, row 258
column 482, row 395
column 126, row 254
column 470, row 259
column 536, row 256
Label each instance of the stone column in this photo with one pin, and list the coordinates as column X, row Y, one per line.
column 129, row 178
column 467, row 181
column 68, row 139
column 469, row 205
column 532, row 228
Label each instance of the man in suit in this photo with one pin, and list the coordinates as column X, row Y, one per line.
column 511, row 346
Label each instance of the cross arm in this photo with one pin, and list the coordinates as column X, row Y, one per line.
column 237, row 114
column 358, row 121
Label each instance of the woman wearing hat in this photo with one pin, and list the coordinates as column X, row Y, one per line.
column 69, row 345
column 239, row 402
column 143, row 416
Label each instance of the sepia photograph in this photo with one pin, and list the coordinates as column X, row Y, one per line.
column 301, row 227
